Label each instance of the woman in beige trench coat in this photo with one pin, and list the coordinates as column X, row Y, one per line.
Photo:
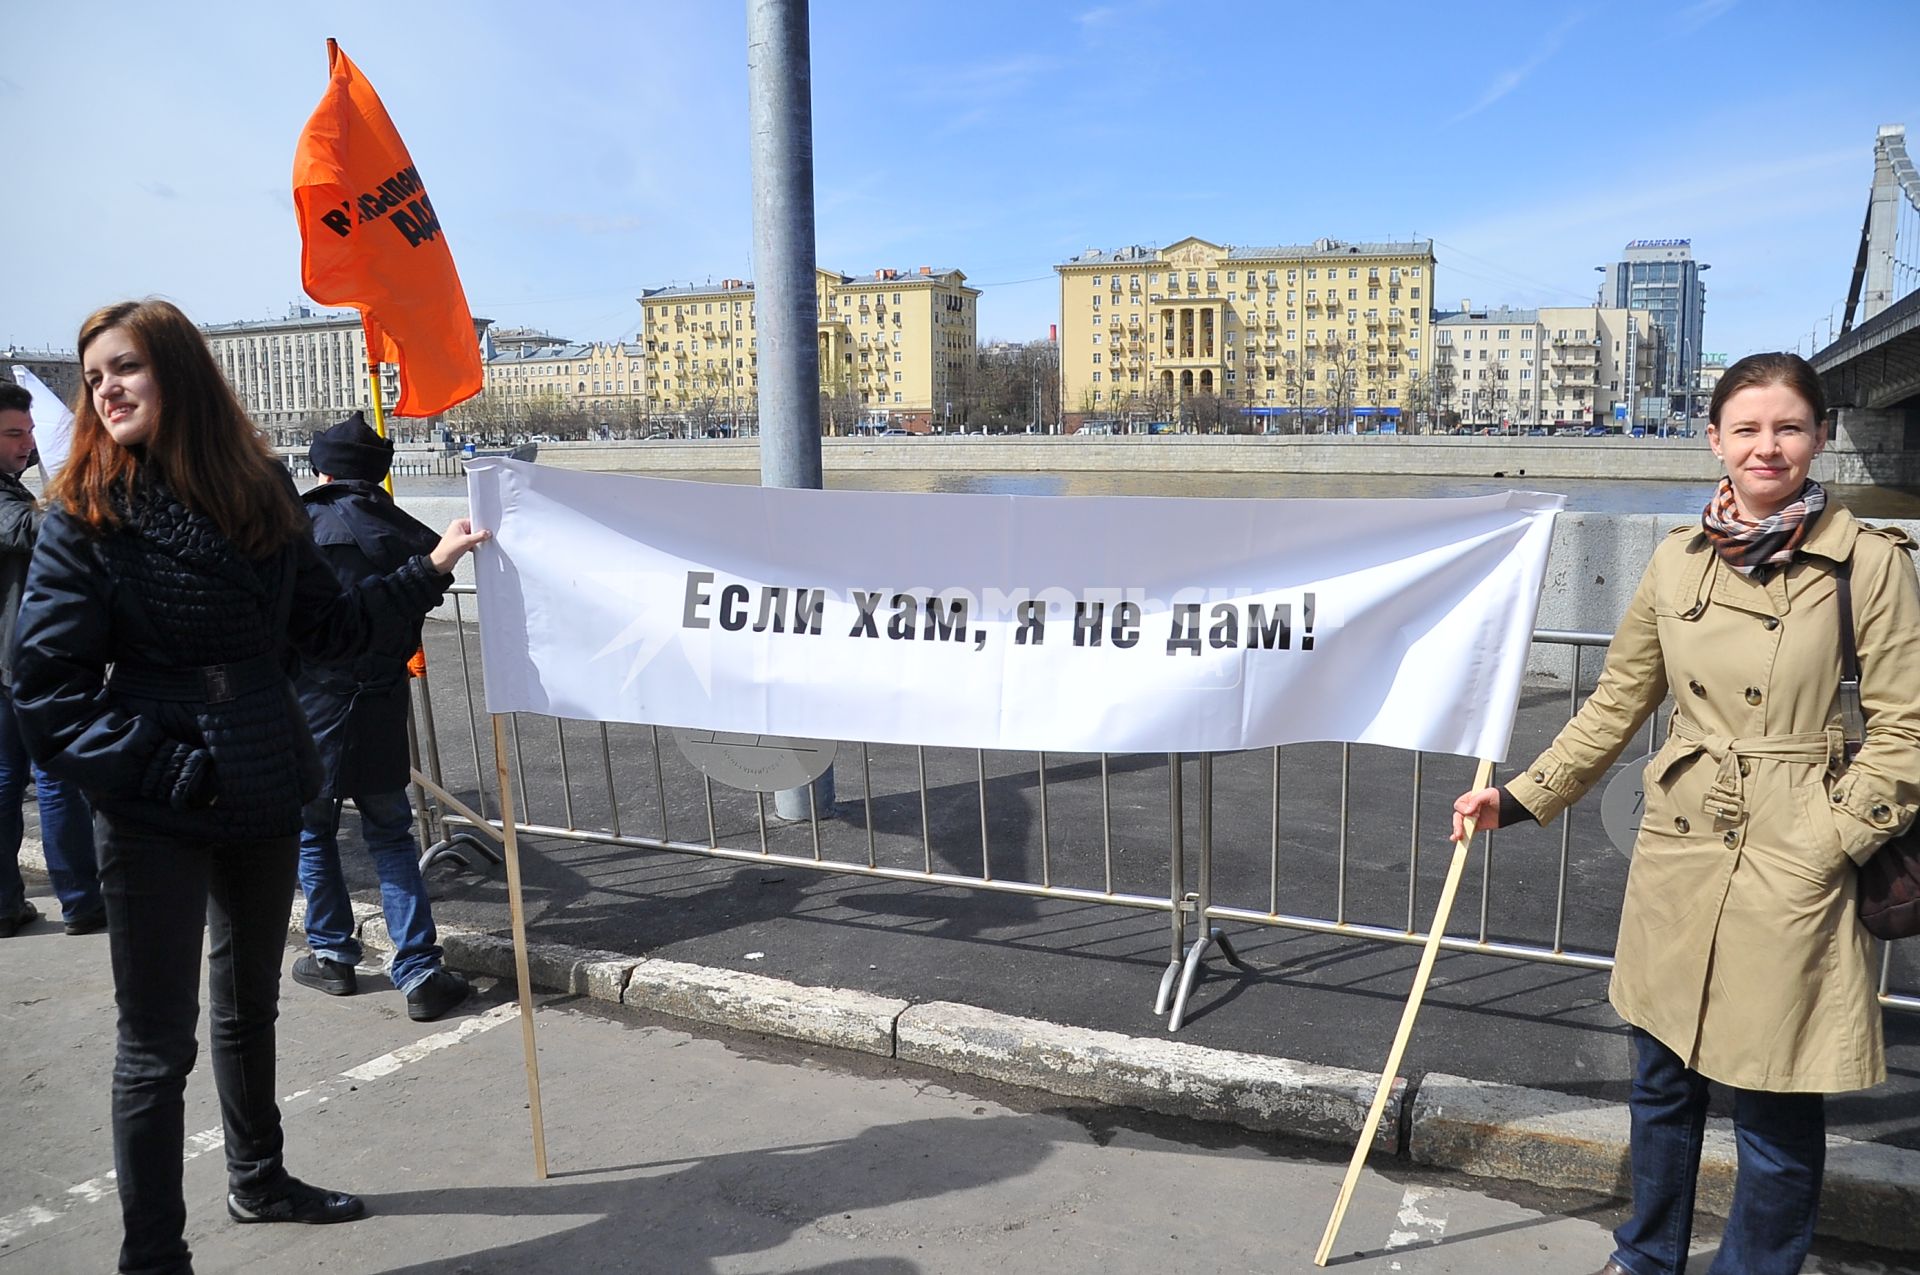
column 1740, row 958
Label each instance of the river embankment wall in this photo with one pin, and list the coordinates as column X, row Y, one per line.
column 1445, row 456
column 1592, row 569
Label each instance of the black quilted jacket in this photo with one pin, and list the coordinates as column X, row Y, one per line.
column 167, row 596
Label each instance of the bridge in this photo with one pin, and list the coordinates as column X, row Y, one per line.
column 1871, row 371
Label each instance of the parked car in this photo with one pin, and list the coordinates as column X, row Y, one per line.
column 1598, row 431
column 1537, row 431
column 896, row 433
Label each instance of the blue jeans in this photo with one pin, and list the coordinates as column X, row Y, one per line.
column 1782, row 1150
column 386, row 825
column 66, row 828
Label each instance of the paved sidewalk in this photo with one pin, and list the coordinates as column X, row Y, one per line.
column 688, row 1153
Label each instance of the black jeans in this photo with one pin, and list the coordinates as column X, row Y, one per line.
column 162, row 894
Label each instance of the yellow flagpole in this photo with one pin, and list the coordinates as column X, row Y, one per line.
column 1441, row 913
column 379, row 417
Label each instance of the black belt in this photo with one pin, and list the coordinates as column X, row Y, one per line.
column 208, row 684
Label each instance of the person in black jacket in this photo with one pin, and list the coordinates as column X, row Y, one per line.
column 175, row 554
column 66, row 825
column 358, row 712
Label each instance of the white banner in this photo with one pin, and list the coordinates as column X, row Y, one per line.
column 1083, row 624
column 52, row 422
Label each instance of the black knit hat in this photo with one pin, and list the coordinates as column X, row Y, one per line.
column 351, row 450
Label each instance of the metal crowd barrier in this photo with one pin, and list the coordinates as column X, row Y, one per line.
column 414, row 464
column 641, row 815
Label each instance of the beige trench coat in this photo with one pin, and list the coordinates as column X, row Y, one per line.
column 1740, row 947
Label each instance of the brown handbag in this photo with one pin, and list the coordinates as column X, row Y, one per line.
column 1890, row 880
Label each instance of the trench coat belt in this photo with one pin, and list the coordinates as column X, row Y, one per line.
column 1726, row 800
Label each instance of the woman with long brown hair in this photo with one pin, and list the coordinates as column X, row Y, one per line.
column 173, row 584
column 1741, row 960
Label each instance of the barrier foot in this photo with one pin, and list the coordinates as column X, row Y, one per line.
column 455, row 848
column 1165, row 996
column 1190, row 973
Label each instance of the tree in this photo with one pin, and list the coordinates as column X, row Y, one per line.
column 1208, row 412
column 1339, row 373
column 1422, row 401
column 1293, row 378
column 1013, row 388
column 839, row 402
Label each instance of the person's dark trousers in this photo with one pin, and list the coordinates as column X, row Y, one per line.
column 162, row 894
column 1782, row 1143
column 66, row 827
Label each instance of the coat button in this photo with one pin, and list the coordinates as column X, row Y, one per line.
column 1680, row 823
column 1731, row 840
column 1881, row 814
column 1837, row 799
column 1746, row 768
column 1771, row 623
column 1539, row 776
column 1696, row 688
column 1753, row 695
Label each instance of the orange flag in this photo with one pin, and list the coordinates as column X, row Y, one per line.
column 369, row 239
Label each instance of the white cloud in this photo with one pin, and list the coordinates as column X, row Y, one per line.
column 1513, row 77
column 1698, row 14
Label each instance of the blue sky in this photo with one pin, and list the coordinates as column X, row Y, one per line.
column 577, row 153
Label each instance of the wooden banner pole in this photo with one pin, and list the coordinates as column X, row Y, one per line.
column 520, row 945
column 1481, row 779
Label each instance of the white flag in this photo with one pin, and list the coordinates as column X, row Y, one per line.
column 52, row 422
column 1096, row 624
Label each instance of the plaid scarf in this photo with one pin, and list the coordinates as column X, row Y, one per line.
column 1757, row 547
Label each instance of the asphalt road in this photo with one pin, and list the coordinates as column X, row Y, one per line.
column 685, row 1154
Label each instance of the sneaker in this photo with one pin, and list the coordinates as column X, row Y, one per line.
column 335, row 978
column 435, row 994
column 20, row 920
column 296, row 1202
column 88, row 922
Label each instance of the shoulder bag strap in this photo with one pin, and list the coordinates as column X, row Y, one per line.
column 1852, row 718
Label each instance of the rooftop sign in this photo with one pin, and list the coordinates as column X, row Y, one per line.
column 1661, row 243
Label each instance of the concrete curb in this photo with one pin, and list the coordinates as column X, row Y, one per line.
column 1327, row 1104
column 1872, row 1191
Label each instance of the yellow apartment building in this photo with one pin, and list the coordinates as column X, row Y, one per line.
column 597, row 377
column 896, row 346
column 1325, row 335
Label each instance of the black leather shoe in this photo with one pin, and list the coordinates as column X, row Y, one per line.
column 335, row 978
column 439, row 992
column 88, row 922
column 1613, row 1268
column 20, row 920
column 296, row 1202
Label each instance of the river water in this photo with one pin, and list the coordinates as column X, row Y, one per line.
column 1584, row 495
